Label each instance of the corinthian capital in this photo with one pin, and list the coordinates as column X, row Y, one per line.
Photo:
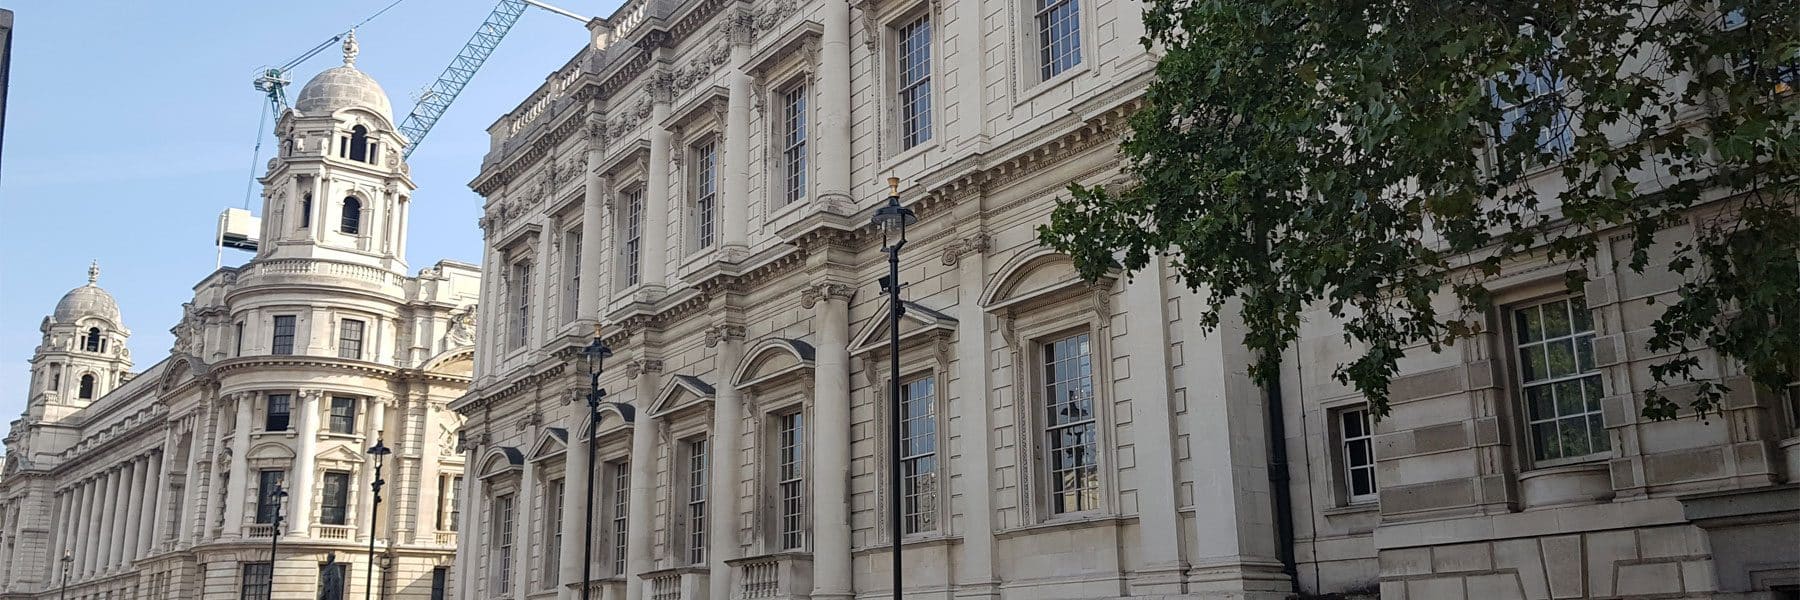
column 718, row 333
column 812, row 294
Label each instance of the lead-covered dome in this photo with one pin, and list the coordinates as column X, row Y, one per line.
column 343, row 87
column 88, row 301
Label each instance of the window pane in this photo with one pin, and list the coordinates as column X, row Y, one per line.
column 1562, row 357
column 1533, row 364
column 1528, row 324
column 1556, row 319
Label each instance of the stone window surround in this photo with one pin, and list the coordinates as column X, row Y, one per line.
column 685, row 425
column 1340, row 480
column 781, row 80
column 774, row 399
column 1047, row 324
column 493, row 486
column 891, row 19
column 1504, row 305
column 917, row 361
column 1027, row 81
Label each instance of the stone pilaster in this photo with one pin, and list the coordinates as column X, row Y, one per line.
column 656, row 198
column 975, row 563
column 644, row 436
column 593, row 204
column 134, row 510
column 577, row 472
column 734, row 178
column 831, row 438
column 149, row 505
column 240, row 467
column 834, row 105
column 728, row 421
column 306, row 449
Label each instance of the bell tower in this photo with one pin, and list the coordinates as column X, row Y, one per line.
column 82, row 355
column 340, row 188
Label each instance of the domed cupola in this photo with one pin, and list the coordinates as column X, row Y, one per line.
column 343, row 87
column 88, row 301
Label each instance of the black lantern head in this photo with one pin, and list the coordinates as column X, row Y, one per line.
column 379, row 449
column 893, row 218
column 595, row 354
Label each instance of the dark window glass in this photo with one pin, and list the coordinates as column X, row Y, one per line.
column 87, row 386
column 914, row 56
column 91, row 342
column 440, row 583
column 1070, row 430
column 280, row 409
column 238, row 339
column 283, row 342
column 1059, row 36
column 350, row 339
column 352, row 221
column 256, row 578
column 306, row 211
column 359, row 144
column 343, row 415
column 267, row 502
column 332, row 508
column 918, row 455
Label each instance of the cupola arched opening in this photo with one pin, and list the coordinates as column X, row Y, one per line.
column 93, row 341
column 359, row 144
column 87, row 386
column 352, row 223
column 306, row 211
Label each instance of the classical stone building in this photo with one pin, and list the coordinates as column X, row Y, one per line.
column 160, row 484
column 698, row 182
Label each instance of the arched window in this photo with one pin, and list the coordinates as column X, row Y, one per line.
column 352, row 223
column 92, row 342
column 306, row 211
column 87, row 386
column 55, row 377
column 359, row 144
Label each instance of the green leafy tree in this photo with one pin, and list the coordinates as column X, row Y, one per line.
column 1370, row 156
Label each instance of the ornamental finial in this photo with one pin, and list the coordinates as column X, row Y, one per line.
column 93, row 272
column 350, row 49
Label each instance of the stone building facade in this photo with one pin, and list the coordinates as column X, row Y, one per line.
column 698, row 184
column 285, row 370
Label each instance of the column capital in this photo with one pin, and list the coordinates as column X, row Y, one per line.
column 643, row 366
column 723, row 332
column 827, row 290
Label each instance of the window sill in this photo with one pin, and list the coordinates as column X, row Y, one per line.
column 1030, row 92
column 1581, row 483
column 1065, row 522
column 1369, row 506
column 910, row 153
column 914, row 541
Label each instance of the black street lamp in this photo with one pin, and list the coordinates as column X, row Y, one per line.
column 892, row 220
column 275, row 497
column 67, row 559
column 379, row 451
column 594, row 356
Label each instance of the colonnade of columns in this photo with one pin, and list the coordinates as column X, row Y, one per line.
column 108, row 520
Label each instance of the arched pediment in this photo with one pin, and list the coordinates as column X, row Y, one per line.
column 682, row 393
column 501, row 460
column 916, row 321
column 611, row 420
column 271, row 451
column 773, row 359
column 459, row 361
column 1033, row 275
column 551, row 443
column 182, row 369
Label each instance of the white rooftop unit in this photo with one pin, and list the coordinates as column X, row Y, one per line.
column 239, row 229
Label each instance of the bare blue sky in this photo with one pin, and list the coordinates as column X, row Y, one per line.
column 131, row 122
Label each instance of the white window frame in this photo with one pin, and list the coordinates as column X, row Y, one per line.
column 621, row 513
column 919, row 512
column 793, row 146
column 916, row 89
column 1588, row 382
column 695, row 461
column 553, row 534
column 1045, row 43
column 1048, row 446
column 790, row 461
column 345, row 340
column 703, row 200
column 1350, row 444
column 571, row 251
column 631, row 236
column 1546, row 86
column 505, row 511
column 518, row 291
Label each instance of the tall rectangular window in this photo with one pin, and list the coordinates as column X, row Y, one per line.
column 1532, row 102
column 631, row 232
column 918, row 455
column 1356, row 452
column 448, row 501
column 1069, row 429
column 238, row 339
column 519, row 284
column 334, row 505
column 440, row 583
column 621, row 513
column 268, row 481
column 1562, row 390
column 553, row 515
column 695, row 518
column 790, row 466
column 280, row 409
column 1792, row 398
column 283, row 343
column 1059, row 36
column 913, row 56
column 256, row 579
column 793, row 141
column 503, row 544
column 571, row 276
column 350, row 339
column 706, row 188
column 343, row 415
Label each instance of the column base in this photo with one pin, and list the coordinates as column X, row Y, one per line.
column 1239, row 579
column 1158, row 580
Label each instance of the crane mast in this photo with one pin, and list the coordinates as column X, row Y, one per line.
column 436, row 99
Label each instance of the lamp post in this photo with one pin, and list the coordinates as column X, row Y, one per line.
column 275, row 496
column 379, row 451
column 594, row 355
column 67, row 559
column 892, row 220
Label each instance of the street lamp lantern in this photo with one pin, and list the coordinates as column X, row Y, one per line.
column 595, row 355
column 380, row 452
column 892, row 220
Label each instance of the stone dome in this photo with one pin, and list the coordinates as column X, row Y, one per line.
column 88, row 301
column 343, row 87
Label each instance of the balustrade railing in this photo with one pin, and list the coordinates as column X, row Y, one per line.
column 260, row 530
column 774, row 576
column 334, row 532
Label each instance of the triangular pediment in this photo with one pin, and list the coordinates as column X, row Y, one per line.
column 552, row 442
column 681, row 393
column 340, row 454
column 915, row 321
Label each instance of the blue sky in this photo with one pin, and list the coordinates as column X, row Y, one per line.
column 130, row 125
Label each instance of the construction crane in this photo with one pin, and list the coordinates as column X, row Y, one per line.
column 274, row 81
column 435, row 99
